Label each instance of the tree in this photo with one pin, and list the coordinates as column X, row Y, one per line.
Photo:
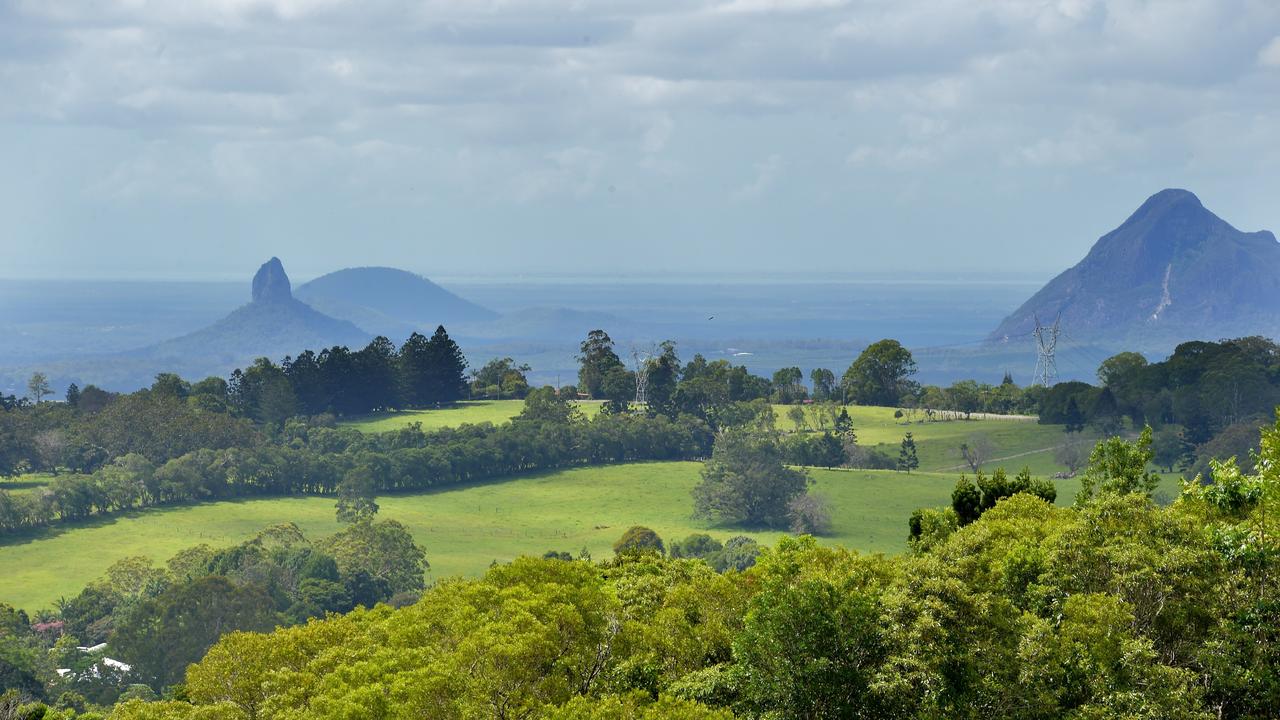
column 824, row 384
column 966, row 500
column 1169, row 449
column 663, row 379
column 164, row 635
column 597, row 361
column 383, row 550
column 976, row 450
column 375, row 377
column 812, row 643
column 502, row 376
column 1105, row 414
column 880, row 375
column 1119, row 466
column 844, row 425
column 638, row 540
column 746, row 482
column 447, row 379
column 73, row 395
column 809, row 515
column 356, row 495
column 788, row 386
column 38, row 387
column 1073, row 419
column 697, row 545
column 1071, row 454
column 907, row 458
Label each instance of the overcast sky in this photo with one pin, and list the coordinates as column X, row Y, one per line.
column 197, row 138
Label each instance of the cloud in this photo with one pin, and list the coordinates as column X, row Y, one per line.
column 1269, row 56
column 766, row 174
column 544, row 104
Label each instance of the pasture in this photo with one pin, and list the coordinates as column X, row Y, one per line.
column 465, row 529
column 937, row 441
column 472, row 412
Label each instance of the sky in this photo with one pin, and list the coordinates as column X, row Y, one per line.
column 195, row 139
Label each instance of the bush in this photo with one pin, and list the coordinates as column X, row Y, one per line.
column 638, row 540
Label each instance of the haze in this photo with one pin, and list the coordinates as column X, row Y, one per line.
column 195, row 139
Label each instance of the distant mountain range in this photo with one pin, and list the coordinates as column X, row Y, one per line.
column 1173, row 271
column 390, row 302
column 273, row 324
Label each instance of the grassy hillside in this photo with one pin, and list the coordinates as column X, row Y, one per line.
column 465, row 529
column 937, row 442
column 473, row 412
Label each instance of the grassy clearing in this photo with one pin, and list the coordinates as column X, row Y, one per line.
column 465, row 529
column 472, row 412
column 938, row 443
column 23, row 484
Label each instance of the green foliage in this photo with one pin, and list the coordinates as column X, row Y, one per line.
column 638, row 540
column 908, row 460
column 745, row 481
column 880, row 375
column 1119, row 466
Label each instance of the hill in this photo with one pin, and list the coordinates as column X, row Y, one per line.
column 273, row 324
column 390, row 302
column 465, row 529
column 1173, row 271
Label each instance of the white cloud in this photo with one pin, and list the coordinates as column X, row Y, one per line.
column 766, row 174
column 1269, row 56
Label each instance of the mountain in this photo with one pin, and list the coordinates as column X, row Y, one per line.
column 273, row 324
column 1173, row 271
column 390, row 302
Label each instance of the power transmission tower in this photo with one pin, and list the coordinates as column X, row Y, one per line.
column 1046, row 343
column 640, row 363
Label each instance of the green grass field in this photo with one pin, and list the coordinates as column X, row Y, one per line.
column 25, row 483
column 937, row 442
column 465, row 529
column 473, row 412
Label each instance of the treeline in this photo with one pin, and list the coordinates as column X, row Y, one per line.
column 309, row 458
column 1206, row 400
column 1112, row 608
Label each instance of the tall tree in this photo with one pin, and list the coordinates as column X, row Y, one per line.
column 356, row 495
column 824, row 383
column 448, row 368
column 881, row 374
column 38, row 387
column 597, row 361
column 413, row 365
column 663, row 379
column 907, row 458
column 376, row 373
column 788, row 385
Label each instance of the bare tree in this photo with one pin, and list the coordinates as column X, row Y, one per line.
column 1072, row 454
column 809, row 515
column 976, row 451
column 49, row 446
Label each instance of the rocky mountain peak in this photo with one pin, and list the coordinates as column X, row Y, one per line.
column 271, row 284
